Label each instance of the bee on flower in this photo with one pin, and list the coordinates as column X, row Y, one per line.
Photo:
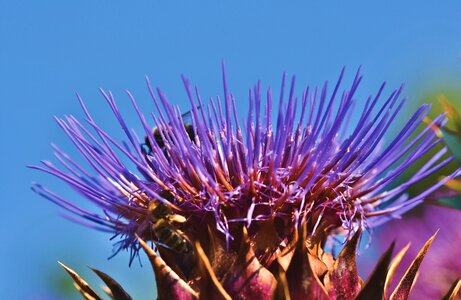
column 258, row 196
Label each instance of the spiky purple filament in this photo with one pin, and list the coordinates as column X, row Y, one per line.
column 303, row 172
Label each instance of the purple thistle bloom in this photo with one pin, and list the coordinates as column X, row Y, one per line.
column 303, row 169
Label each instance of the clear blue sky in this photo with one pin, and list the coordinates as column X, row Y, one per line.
column 51, row 49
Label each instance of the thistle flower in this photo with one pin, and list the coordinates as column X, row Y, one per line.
column 222, row 199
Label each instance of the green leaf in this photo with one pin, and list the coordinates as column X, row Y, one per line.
column 453, row 141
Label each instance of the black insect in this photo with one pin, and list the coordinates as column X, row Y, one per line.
column 146, row 147
column 163, row 225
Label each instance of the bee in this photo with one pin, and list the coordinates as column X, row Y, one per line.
column 146, row 147
column 163, row 219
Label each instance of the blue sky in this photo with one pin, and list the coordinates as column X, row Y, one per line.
column 51, row 49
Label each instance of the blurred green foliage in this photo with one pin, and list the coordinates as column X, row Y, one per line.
column 451, row 138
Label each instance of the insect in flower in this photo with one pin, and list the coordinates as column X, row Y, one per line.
column 248, row 193
column 162, row 218
column 311, row 167
column 160, row 135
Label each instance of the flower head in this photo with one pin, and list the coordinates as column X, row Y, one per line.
column 311, row 167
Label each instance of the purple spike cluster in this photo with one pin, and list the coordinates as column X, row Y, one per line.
column 303, row 170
